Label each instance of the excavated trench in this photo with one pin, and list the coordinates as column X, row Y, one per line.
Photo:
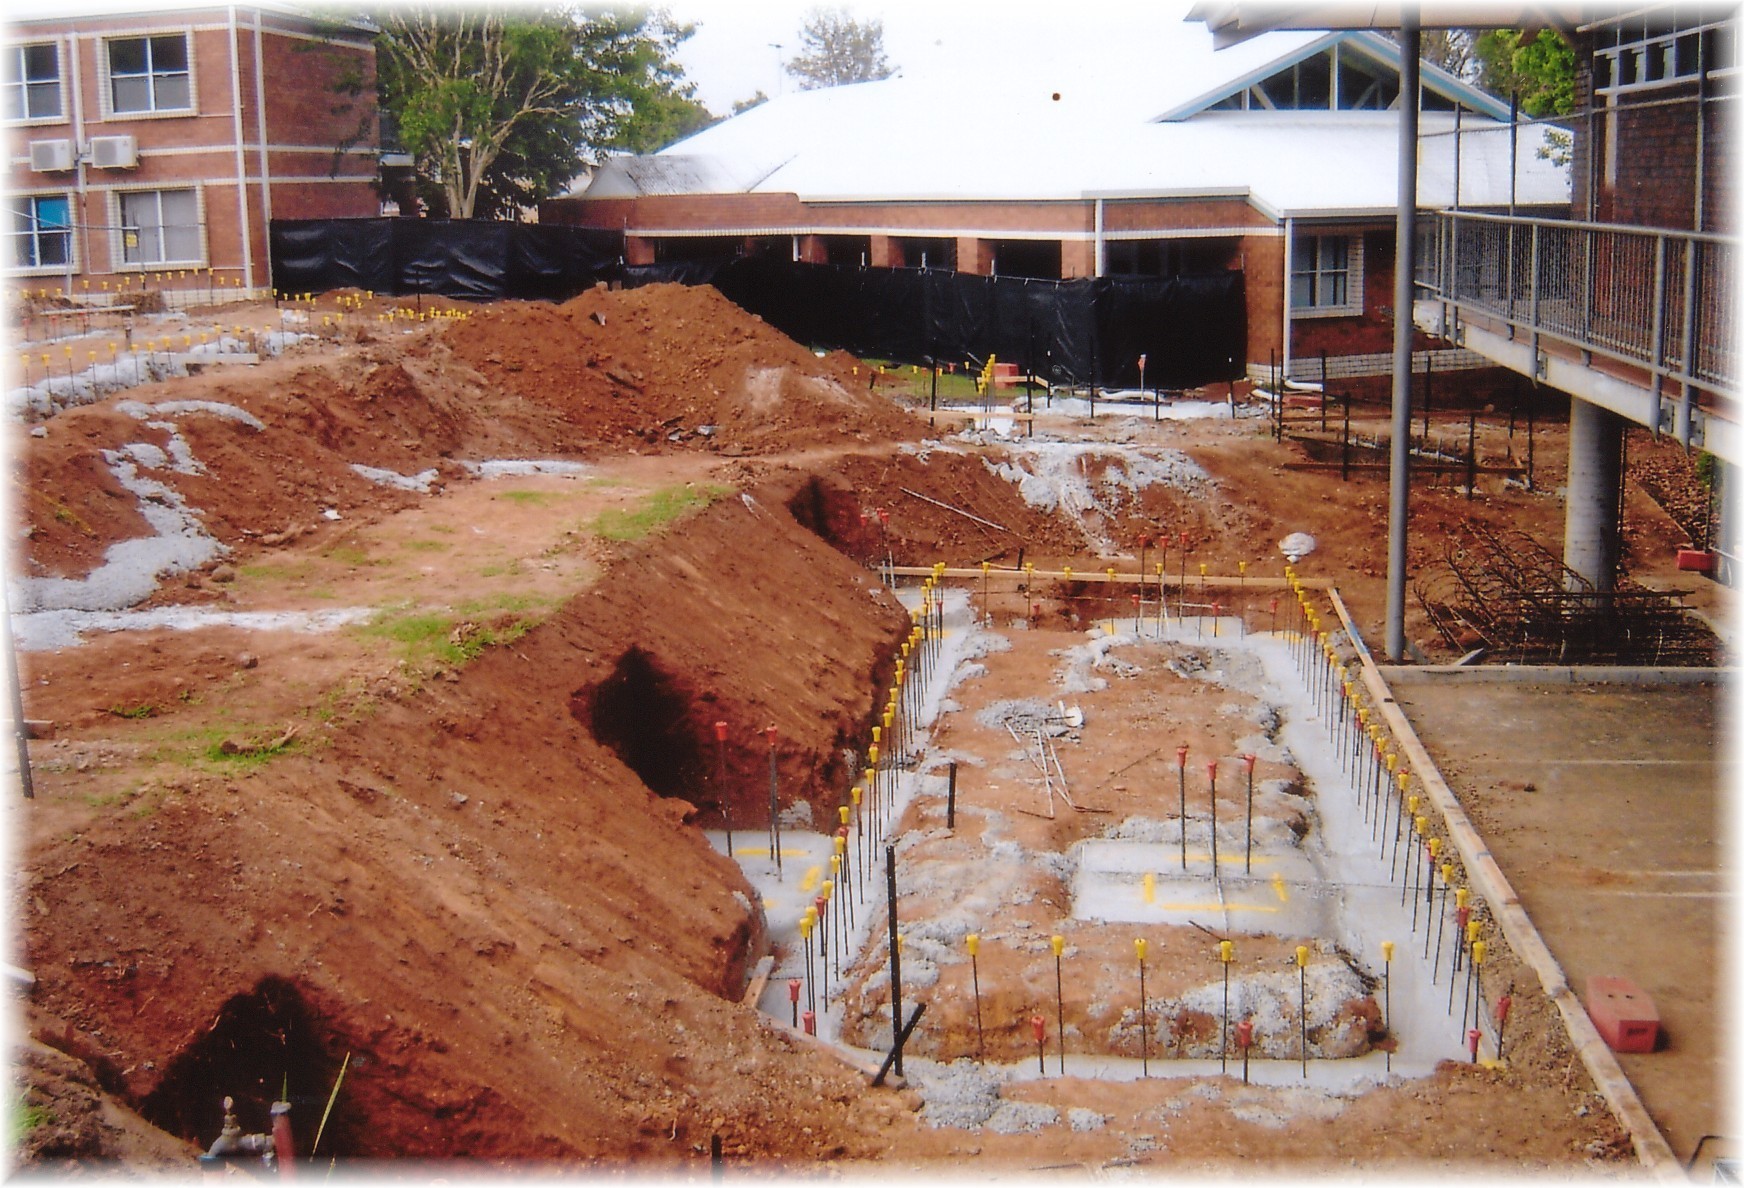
column 266, row 1045
column 645, row 716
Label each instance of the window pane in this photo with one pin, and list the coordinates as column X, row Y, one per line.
column 139, row 220
column 52, row 248
column 1302, row 291
column 1334, row 253
column 44, row 100
column 127, row 57
column 131, row 94
column 181, row 235
column 13, row 108
column 169, row 53
column 51, row 213
column 41, row 63
column 1332, row 289
column 172, row 92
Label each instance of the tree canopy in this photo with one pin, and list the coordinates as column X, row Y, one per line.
column 501, row 106
column 1539, row 67
column 836, row 49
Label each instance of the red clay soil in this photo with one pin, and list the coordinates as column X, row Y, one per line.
column 484, row 882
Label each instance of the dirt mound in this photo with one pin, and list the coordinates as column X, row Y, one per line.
column 671, row 364
column 473, row 891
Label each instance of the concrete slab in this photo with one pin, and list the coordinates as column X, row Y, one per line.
column 1602, row 805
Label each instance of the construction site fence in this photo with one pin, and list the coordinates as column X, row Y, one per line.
column 1189, row 330
column 472, row 260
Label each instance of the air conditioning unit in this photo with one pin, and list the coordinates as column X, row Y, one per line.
column 114, row 152
column 51, row 156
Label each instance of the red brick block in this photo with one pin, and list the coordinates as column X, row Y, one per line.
column 1624, row 1014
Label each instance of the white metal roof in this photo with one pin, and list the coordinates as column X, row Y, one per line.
column 960, row 138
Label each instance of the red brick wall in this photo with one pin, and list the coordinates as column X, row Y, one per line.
column 1656, row 136
column 315, row 112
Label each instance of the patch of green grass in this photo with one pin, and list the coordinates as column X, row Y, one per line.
column 454, row 637
column 427, row 546
column 324, row 593
column 444, row 529
column 509, row 568
column 109, row 799
column 532, row 498
column 27, row 1118
column 498, row 603
column 350, row 555
column 655, row 512
column 274, row 571
column 134, row 712
column 247, row 757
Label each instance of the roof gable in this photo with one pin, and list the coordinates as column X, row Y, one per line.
column 1329, row 61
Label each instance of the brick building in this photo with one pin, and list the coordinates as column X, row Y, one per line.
column 1655, row 137
column 1277, row 158
column 142, row 144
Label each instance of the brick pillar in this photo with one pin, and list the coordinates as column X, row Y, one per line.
column 884, row 253
column 812, row 250
column 638, row 250
column 974, row 256
column 1077, row 258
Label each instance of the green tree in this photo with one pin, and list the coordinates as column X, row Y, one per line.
column 501, row 106
column 1539, row 67
column 836, row 49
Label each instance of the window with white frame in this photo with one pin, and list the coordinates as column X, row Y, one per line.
column 42, row 231
column 1326, row 275
column 149, row 74
column 160, row 227
column 32, row 82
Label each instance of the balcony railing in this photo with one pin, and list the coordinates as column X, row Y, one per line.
column 1662, row 302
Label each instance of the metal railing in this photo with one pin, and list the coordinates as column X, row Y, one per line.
column 1661, row 300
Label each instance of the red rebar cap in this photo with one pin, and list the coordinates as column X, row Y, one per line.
column 720, row 732
column 1039, row 1026
column 792, row 989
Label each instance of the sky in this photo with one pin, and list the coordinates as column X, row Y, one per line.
column 739, row 45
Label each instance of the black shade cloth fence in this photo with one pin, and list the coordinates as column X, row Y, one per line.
column 1192, row 330
column 469, row 260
